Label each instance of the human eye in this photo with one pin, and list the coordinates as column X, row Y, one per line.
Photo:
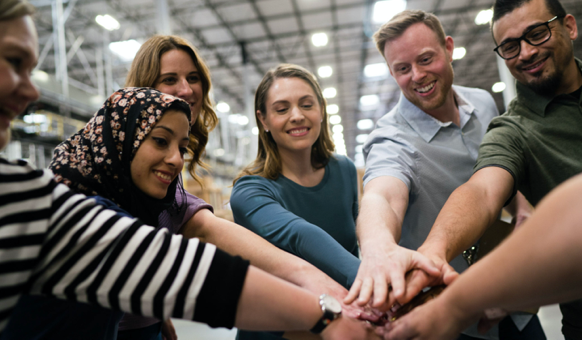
column 15, row 62
column 538, row 33
column 193, row 78
column 509, row 47
column 402, row 69
column 168, row 80
column 183, row 150
column 160, row 141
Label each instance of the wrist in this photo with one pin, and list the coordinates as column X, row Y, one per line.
column 331, row 310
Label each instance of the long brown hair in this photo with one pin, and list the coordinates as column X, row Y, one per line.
column 268, row 161
column 144, row 72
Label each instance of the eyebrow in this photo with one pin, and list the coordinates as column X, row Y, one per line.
column 525, row 31
column 22, row 49
column 169, row 130
column 286, row 101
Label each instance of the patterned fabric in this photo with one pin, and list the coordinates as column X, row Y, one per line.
column 96, row 160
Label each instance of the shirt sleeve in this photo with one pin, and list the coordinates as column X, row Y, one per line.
column 97, row 256
column 387, row 155
column 503, row 146
column 256, row 207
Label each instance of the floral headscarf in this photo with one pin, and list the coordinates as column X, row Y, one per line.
column 96, row 160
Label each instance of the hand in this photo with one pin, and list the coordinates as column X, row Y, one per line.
column 431, row 321
column 382, row 267
column 168, row 330
column 346, row 328
column 417, row 280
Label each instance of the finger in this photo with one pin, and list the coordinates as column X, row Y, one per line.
column 398, row 285
column 366, row 291
column 380, row 292
column 450, row 276
column 354, row 291
column 416, row 281
column 422, row 262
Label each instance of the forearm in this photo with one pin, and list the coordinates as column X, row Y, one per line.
column 538, row 264
column 269, row 303
column 378, row 225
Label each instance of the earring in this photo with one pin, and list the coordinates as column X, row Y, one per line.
column 266, row 130
column 321, row 120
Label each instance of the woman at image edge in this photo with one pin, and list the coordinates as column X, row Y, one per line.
column 297, row 194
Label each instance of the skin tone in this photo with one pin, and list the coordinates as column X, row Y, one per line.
column 179, row 77
column 266, row 302
column 160, row 158
column 508, row 279
column 537, row 64
column 18, row 57
column 293, row 119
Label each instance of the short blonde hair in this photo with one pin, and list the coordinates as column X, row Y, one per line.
column 401, row 22
column 145, row 70
column 11, row 9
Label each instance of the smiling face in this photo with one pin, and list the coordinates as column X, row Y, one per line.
column 160, row 157
column 543, row 67
column 179, row 77
column 18, row 57
column 421, row 66
column 293, row 115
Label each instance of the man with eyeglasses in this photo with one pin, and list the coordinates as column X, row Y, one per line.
column 533, row 147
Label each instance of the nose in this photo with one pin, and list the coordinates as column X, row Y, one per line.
column 418, row 74
column 297, row 114
column 175, row 158
column 184, row 89
column 27, row 91
column 527, row 51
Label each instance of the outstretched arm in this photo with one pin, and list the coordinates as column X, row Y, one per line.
column 512, row 279
column 379, row 227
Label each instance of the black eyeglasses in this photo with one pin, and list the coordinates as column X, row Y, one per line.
column 536, row 36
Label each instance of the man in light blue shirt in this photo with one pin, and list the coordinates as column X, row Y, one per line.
column 419, row 153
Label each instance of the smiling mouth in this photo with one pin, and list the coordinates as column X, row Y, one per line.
column 426, row 88
column 163, row 176
column 298, row 131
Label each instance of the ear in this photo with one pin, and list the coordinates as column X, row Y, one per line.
column 449, row 47
column 262, row 120
column 571, row 27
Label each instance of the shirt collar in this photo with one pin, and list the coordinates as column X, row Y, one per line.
column 534, row 101
column 426, row 125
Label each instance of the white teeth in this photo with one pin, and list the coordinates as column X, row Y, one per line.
column 298, row 131
column 163, row 176
column 426, row 88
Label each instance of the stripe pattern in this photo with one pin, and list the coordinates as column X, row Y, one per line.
column 58, row 243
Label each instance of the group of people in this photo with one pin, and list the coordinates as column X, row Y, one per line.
column 77, row 264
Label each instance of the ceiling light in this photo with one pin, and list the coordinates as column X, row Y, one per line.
column 319, row 39
column 362, row 138
column 498, row 87
column 40, row 75
column 242, row 120
column 365, row 124
column 125, row 50
column 108, row 22
column 359, row 149
column 337, row 128
column 376, row 70
column 329, row 92
column 332, row 109
column 219, row 152
column 484, row 17
column 459, row 53
column 223, row 107
column 325, row 71
column 233, row 118
column 255, row 131
column 385, row 10
column 335, row 119
column 369, row 100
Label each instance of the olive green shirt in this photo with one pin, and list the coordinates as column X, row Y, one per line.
column 538, row 140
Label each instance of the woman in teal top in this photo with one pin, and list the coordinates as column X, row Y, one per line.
column 297, row 194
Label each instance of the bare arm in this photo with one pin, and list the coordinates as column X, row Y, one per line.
column 470, row 209
column 379, row 227
column 512, row 279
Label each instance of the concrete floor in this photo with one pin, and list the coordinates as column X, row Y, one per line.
column 550, row 317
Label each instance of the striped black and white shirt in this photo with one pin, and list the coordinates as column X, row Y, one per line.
column 58, row 243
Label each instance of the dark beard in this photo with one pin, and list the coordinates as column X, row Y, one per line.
column 547, row 86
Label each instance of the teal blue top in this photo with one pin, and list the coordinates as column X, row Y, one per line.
column 315, row 223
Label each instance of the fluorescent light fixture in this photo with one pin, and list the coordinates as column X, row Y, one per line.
column 362, row 138
column 498, row 87
column 223, row 107
column 219, row 152
column 459, row 53
column 125, row 50
column 337, row 128
column 369, row 100
column 40, row 75
column 242, row 120
column 335, row 119
column 338, row 138
column 365, row 124
column 255, row 131
column 385, row 10
column 34, row 118
column 341, row 151
column 332, row 109
column 319, row 39
column 376, row 70
column 484, row 17
column 325, row 71
column 108, row 22
column 329, row 92
column 359, row 149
